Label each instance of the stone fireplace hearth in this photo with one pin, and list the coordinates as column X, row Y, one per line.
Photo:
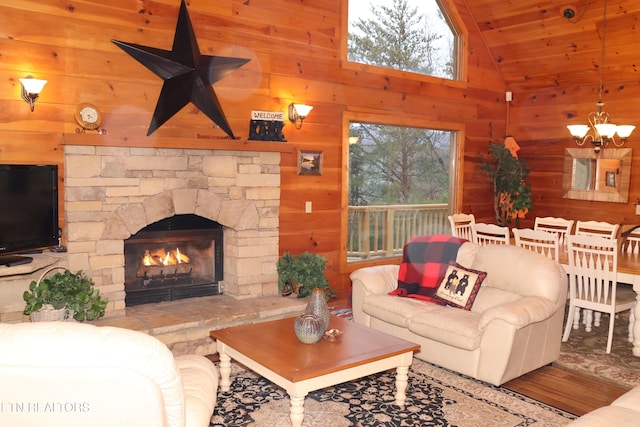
column 113, row 192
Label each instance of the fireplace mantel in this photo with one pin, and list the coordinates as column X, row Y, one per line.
column 202, row 142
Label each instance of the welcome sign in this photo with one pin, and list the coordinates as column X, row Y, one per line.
column 266, row 126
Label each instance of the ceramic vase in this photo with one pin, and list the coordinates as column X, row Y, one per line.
column 317, row 305
column 308, row 328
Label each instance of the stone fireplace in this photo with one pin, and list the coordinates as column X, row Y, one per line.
column 111, row 193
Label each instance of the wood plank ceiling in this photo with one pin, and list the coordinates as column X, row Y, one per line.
column 536, row 47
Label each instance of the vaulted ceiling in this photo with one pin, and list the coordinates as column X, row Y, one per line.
column 536, row 46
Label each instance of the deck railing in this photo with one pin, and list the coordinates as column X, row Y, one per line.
column 381, row 231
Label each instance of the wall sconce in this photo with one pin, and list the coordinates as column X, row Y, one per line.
column 353, row 140
column 31, row 89
column 297, row 114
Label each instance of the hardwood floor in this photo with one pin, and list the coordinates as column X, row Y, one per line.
column 566, row 390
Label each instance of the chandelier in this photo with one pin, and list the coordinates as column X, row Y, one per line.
column 602, row 132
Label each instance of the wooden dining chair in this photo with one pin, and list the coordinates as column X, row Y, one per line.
column 597, row 228
column 491, row 234
column 462, row 226
column 593, row 270
column 631, row 243
column 542, row 242
column 560, row 226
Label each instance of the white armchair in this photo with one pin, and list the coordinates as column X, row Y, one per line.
column 75, row 374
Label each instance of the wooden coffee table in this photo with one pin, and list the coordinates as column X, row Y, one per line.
column 272, row 350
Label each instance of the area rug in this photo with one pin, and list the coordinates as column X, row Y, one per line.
column 585, row 352
column 435, row 397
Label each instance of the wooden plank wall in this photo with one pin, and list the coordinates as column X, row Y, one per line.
column 553, row 66
column 540, row 119
column 295, row 54
column 539, row 125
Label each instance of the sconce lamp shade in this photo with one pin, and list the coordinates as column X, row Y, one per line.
column 302, row 109
column 31, row 89
column 32, row 85
column 297, row 113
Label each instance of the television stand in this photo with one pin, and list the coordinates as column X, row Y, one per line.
column 11, row 260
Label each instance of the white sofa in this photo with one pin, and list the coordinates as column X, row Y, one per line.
column 623, row 412
column 514, row 326
column 71, row 374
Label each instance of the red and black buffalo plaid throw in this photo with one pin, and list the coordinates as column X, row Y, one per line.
column 424, row 262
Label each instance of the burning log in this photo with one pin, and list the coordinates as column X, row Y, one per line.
column 159, row 263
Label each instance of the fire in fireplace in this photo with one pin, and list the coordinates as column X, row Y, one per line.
column 159, row 266
column 175, row 258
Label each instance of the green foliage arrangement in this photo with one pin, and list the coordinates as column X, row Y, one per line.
column 306, row 269
column 72, row 291
column 512, row 195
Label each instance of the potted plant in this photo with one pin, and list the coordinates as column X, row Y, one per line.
column 72, row 293
column 303, row 273
column 511, row 192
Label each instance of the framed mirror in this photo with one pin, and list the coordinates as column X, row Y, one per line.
column 601, row 177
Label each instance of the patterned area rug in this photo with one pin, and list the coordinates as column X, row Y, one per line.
column 435, row 397
column 585, row 352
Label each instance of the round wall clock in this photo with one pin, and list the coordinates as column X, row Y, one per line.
column 88, row 116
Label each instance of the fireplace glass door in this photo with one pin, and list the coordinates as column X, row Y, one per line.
column 176, row 258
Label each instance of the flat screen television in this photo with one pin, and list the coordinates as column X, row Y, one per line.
column 28, row 211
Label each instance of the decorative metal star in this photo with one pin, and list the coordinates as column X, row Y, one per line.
column 188, row 75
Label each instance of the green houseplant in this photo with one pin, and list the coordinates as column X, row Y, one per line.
column 304, row 272
column 511, row 192
column 73, row 292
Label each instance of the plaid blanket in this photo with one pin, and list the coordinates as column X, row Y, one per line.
column 424, row 263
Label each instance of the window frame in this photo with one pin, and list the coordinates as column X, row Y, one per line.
column 395, row 119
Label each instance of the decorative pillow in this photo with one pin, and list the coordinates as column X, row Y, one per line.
column 460, row 286
column 424, row 262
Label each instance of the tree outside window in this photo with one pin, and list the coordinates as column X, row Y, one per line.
column 406, row 35
column 398, row 165
column 399, row 177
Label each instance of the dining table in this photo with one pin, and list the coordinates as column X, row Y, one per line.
column 629, row 273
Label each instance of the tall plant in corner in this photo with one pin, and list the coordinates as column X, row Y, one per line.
column 511, row 193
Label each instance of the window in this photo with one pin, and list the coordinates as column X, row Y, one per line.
column 400, row 185
column 401, row 170
column 406, row 35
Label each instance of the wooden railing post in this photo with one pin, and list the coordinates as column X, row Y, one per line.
column 381, row 231
column 389, row 232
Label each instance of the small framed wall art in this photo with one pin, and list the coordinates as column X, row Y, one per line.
column 309, row 163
